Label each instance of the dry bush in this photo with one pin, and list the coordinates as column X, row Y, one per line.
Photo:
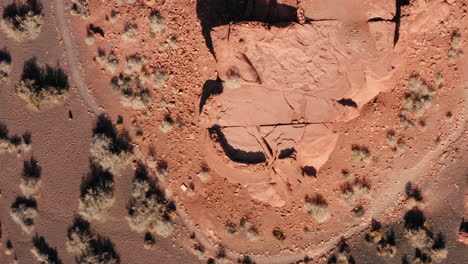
column 160, row 77
column 130, row 33
column 162, row 170
column 167, row 124
column 415, row 231
column 233, row 80
column 361, row 153
column 42, row 87
column 23, row 212
column 421, row 258
column 148, row 209
column 96, row 194
column 317, row 207
column 361, row 186
column 230, row 227
column 358, row 211
column 5, row 64
column 134, row 64
column 204, row 174
column 89, row 40
column 414, row 198
column 9, row 248
column 405, row 122
column 43, row 253
column 23, row 21
column 110, row 149
column 111, row 63
column 31, row 180
column 80, row 8
column 157, row 22
column 249, row 229
column 15, row 143
column 279, row 235
column 347, row 194
column 438, row 251
column 79, row 236
column 419, row 98
column 455, row 46
column 149, row 241
column 133, row 90
column 386, row 247
column 89, row 248
column 343, row 255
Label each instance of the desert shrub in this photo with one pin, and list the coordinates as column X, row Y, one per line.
column 347, row 193
column 79, row 236
column 167, row 124
column 80, row 8
column 387, row 246
column 162, row 170
column 204, row 174
column 415, row 230
column 421, row 257
column 157, row 22
column 233, row 80
column 361, row 153
column 23, row 211
column 317, row 207
column 134, row 64
column 361, row 186
column 419, row 97
column 148, row 208
column 15, row 143
column 249, row 229
column 43, row 253
column 88, row 247
column 31, row 180
column 111, row 63
column 414, row 198
column 23, row 21
column 97, row 194
column 358, row 210
column 42, row 87
column 111, row 150
column 9, row 248
column 130, row 33
column 279, row 235
column 114, row 16
column 133, row 90
column 230, row 227
column 405, row 122
column 438, row 250
column 89, row 40
column 5, row 64
column 455, row 46
column 342, row 256
column 160, row 77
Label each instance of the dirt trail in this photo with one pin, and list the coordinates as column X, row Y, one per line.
column 73, row 63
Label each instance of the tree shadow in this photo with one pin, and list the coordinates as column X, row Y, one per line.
column 5, row 56
column 47, row 77
column 31, row 169
column 210, row 87
column 20, row 10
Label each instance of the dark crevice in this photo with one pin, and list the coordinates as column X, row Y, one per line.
column 347, row 102
column 236, row 155
column 210, row 88
column 277, row 124
column 311, row 20
column 397, row 19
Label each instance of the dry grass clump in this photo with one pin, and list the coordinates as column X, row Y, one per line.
column 89, row 40
column 23, row 211
column 157, row 22
column 89, row 248
column 160, row 77
column 42, row 87
column 111, row 63
column 419, row 97
column 149, row 241
column 15, row 143
column 134, row 64
column 358, row 210
column 97, row 194
column 80, row 8
column 23, row 21
column 167, row 124
column 249, row 229
column 43, row 253
column 414, row 197
column 5, row 64
column 386, row 247
column 204, row 174
column 162, row 171
column 415, row 229
column 110, row 149
column 230, row 227
column 438, row 250
column 317, row 207
column 148, row 209
column 130, row 33
column 455, row 46
column 9, row 248
column 361, row 153
column 233, row 80
column 279, row 235
column 31, row 180
column 133, row 90
column 351, row 190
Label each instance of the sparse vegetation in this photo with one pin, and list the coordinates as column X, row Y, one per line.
column 31, row 180
column 455, row 46
column 9, row 248
column 15, row 143
column 42, row 87
column 233, row 80
column 148, row 209
column 167, row 124
column 134, row 64
column 88, row 247
column 23, row 21
column 111, row 63
column 149, row 240
column 23, row 212
column 162, row 170
column 317, row 207
column 343, row 255
column 89, row 40
column 438, row 251
column 80, row 8
column 110, row 149
column 361, row 153
column 204, row 174
column 157, row 22
column 160, row 77
column 130, row 33
column 419, row 97
column 43, row 253
column 249, row 229
column 97, row 194
column 279, row 235
column 230, row 227
column 133, row 90
column 386, row 247
column 5, row 64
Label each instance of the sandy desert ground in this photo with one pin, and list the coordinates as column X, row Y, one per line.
column 233, row 131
